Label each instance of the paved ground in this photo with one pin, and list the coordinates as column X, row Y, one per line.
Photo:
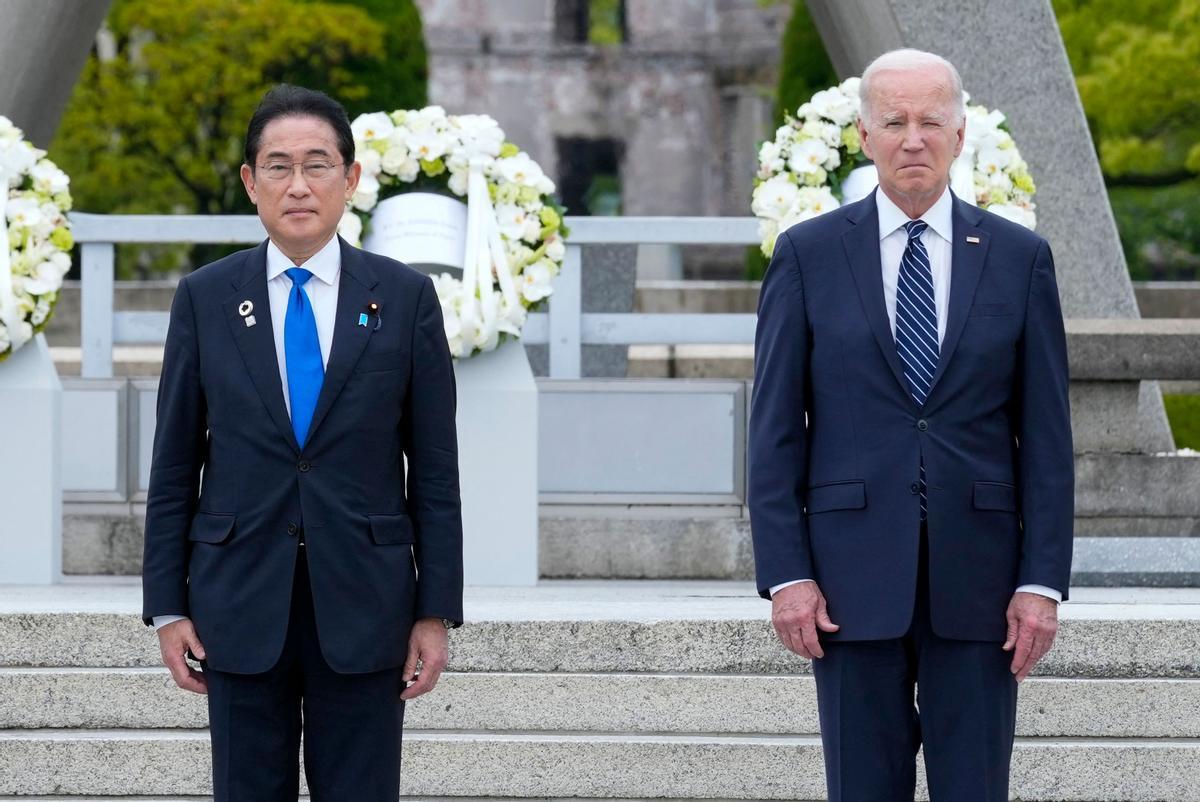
column 600, row 600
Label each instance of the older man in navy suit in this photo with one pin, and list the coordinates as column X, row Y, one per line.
column 911, row 477
column 303, row 526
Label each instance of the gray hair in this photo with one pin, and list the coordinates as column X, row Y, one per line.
column 909, row 59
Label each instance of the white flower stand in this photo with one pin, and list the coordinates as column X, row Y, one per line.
column 30, row 467
column 498, row 448
column 497, row 404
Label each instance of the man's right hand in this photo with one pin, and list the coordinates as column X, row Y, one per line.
column 175, row 639
column 797, row 611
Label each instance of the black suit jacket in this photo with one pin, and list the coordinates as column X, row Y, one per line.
column 836, row 438
column 230, row 490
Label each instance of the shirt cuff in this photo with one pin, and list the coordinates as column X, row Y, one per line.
column 776, row 588
column 1041, row 590
column 160, row 621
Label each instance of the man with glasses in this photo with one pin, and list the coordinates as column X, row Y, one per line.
column 303, row 525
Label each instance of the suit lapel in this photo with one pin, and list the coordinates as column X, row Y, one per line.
column 966, row 267
column 257, row 343
column 349, row 339
column 862, row 250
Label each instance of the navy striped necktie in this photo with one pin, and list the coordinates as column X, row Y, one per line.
column 917, row 324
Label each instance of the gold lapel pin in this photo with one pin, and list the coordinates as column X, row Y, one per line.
column 244, row 309
column 973, row 240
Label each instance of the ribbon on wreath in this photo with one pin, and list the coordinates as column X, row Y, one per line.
column 484, row 257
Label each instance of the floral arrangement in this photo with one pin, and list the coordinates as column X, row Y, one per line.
column 35, row 237
column 804, row 170
column 429, row 150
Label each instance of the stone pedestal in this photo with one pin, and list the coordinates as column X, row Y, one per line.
column 498, row 448
column 30, row 467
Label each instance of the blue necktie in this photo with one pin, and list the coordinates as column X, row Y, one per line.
column 302, row 354
column 916, row 324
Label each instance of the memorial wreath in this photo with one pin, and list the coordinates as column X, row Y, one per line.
column 515, row 232
column 815, row 163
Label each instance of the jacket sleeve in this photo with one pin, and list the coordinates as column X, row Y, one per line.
column 180, row 447
column 1045, row 452
column 430, row 438
column 778, row 439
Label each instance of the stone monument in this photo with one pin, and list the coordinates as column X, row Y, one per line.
column 1011, row 57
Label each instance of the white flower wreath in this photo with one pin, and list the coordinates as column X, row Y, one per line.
column 803, row 171
column 429, row 150
column 35, row 237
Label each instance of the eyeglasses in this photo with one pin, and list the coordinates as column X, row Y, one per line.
column 313, row 171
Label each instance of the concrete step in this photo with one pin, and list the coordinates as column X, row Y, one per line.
column 148, row 762
column 613, row 626
column 693, row 543
column 145, row 698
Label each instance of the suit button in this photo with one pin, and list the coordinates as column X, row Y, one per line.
column 304, row 466
column 293, row 529
column 914, row 488
column 923, row 425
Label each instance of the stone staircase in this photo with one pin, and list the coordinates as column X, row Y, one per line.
column 589, row 690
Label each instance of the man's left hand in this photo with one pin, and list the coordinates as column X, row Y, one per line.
column 429, row 646
column 1032, row 624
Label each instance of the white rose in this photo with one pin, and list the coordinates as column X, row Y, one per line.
column 773, row 197
column 809, row 156
column 535, row 281
column 835, row 105
column 370, row 160
column 992, row 160
column 369, row 127
column 427, row 145
column 556, row 249
column 480, row 135
column 810, row 202
column 827, row 132
column 393, row 159
column 520, row 170
column 15, row 159
column 512, row 220
column 350, row 227
column 48, row 179
column 409, row 170
column 770, row 157
column 364, row 201
column 23, row 212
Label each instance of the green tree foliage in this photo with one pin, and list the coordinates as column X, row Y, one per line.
column 156, row 122
column 804, row 70
column 399, row 79
column 1135, row 66
column 804, row 67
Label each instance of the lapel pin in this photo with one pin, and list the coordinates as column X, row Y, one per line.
column 250, row 321
column 373, row 309
column 362, row 319
column 244, row 309
column 973, row 240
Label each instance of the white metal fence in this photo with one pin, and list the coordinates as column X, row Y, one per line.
column 565, row 328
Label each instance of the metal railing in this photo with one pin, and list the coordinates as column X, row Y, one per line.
column 565, row 328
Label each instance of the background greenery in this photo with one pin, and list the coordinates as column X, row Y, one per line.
column 157, row 123
column 1135, row 64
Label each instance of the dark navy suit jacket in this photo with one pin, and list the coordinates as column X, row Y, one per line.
column 836, row 438
column 230, row 490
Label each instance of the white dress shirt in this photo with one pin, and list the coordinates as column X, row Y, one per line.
column 322, row 291
column 937, row 239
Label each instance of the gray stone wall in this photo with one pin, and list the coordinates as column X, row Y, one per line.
column 687, row 94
